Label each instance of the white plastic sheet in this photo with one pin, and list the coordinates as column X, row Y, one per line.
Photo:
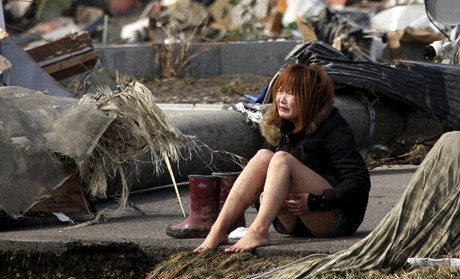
column 401, row 17
column 301, row 8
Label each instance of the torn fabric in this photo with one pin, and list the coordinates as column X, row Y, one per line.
column 29, row 170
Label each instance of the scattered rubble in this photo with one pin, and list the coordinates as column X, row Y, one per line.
column 341, row 23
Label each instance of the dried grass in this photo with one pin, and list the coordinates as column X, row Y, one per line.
column 218, row 265
column 174, row 57
column 214, row 264
column 136, row 125
column 139, row 125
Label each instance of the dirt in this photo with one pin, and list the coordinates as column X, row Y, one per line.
column 227, row 89
column 124, row 261
column 92, row 263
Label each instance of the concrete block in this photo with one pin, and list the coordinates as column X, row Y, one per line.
column 130, row 60
column 207, row 61
column 260, row 58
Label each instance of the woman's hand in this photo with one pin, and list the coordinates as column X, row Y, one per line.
column 297, row 203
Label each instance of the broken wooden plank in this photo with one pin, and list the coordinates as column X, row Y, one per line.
column 66, row 57
column 76, row 42
column 72, row 66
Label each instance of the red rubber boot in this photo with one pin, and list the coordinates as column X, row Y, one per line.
column 204, row 208
column 226, row 183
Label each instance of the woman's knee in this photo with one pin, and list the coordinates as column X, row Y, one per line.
column 263, row 155
column 282, row 158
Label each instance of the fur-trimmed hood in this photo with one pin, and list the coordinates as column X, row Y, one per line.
column 272, row 133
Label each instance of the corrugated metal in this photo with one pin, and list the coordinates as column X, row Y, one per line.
column 433, row 90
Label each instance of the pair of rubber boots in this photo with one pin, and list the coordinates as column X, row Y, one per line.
column 207, row 197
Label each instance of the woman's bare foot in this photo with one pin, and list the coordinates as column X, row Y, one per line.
column 211, row 242
column 250, row 241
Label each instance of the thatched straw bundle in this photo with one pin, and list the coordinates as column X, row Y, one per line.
column 139, row 125
column 133, row 124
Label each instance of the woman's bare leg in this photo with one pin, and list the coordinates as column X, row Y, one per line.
column 245, row 190
column 285, row 174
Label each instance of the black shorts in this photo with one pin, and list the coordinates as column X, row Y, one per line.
column 300, row 230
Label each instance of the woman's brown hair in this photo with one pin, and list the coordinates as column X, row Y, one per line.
column 312, row 88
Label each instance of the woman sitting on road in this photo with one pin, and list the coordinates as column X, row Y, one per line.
column 309, row 177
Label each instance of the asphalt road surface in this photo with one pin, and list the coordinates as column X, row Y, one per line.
column 146, row 232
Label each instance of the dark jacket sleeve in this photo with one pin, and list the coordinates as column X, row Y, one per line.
column 352, row 190
column 267, row 145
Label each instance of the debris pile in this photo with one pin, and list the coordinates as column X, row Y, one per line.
column 364, row 30
column 47, row 142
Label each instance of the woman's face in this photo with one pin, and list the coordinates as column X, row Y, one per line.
column 286, row 104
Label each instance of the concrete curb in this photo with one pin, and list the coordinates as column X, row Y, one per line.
column 213, row 59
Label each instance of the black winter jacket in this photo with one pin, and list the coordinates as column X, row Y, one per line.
column 327, row 146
